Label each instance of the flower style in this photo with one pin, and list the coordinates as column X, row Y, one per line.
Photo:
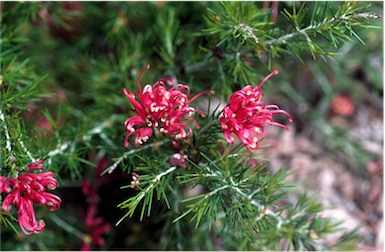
column 155, row 106
column 246, row 115
column 26, row 189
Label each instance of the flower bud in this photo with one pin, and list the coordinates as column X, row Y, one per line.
column 178, row 160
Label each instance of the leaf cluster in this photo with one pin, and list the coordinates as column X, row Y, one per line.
column 238, row 193
column 246, row 36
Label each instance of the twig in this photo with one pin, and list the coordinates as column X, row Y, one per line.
column 100, row 128
column 343, row 18
column 97, row 130
column 26, row 150
column 248, row 30
column 199, row 66
column 126, row 154
column 264, row 211
column 64, row 225
column 7, row 137
column 141, row 195
column 216, row 190
column 57, row 151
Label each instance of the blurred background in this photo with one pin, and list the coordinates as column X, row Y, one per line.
column 86, row 52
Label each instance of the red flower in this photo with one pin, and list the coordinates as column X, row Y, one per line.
column 27, row 189
column 38, row 165
column 246, row 115
column 27, row 219
column 157, row 107
column 342, row 105
column 95, row 226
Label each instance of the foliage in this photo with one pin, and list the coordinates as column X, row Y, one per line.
column 63, row 69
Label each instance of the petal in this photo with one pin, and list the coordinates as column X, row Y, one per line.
column 133, row 121
column 138, row 80
column 137, row 106
column 143, row 135
column 126, row 138
column 52, row 201
column 228, row 136
column 200, row 94
column 266, row 78
column 27, row 218
column 38, row 165
column 36, row 197
column 9, row 199
column 2, row 182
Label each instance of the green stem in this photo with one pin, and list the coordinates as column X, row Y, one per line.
column 26, row 150
column 7, row 137
column 86, row 137
column 128, row 153
column 199, row 66
column 320, row 26
column 213, row 122
column 64, row 225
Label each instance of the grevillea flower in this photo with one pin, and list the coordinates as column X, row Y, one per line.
column 246, row 115
column 96, row 226
column 26, row 189
column 342, row 105
column 157, row 107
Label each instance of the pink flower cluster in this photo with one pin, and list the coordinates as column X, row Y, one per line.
column 26, row 189
column 246, row 115
column 96, row 226
column 157, row 107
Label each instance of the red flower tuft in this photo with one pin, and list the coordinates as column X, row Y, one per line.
column 38, row 165
column 246, row 115
column 157, row 107
column 26, row 189
column 96, row 226
column 342, row 105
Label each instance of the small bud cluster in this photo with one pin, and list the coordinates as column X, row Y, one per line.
column 178, row 160
column 26, row 189
column 135, row 181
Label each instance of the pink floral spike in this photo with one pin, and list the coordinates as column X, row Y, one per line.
column 26, row 189
column 38, row 165
column 246, row 115
column 27, row 219
column 160, row 108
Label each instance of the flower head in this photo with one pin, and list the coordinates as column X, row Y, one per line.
column 342, row 105
column 27, row 219
column 178, row 160
column 38, row 165
column 26, row 189
column 95, row 226
column 246, row 115
column 168, row 110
